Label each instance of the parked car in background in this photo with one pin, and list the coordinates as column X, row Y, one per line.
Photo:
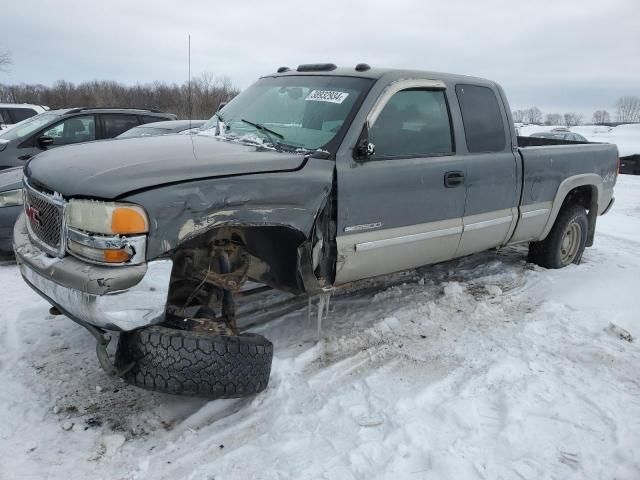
column 163, row 128
column 55, row 128
column 12, row 113
column 10, row 205
column 630, row 164
column 560, row 134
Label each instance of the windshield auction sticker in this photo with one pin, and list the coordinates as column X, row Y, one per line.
column 327, row 96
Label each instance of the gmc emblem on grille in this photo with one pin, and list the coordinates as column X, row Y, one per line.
column 33, row 214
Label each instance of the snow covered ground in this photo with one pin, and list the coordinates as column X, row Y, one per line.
column 626, row 137
column 480, row 368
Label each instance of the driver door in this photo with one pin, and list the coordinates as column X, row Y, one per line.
column 402, row 207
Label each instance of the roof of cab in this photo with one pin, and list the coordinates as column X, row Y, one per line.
column 378, row 73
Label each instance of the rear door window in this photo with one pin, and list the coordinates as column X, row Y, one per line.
column 73, row 130
column 115, row 124
column 482, row 119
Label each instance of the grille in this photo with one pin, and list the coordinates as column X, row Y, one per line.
column 44, row 215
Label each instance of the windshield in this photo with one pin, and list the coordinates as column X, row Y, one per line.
column 27, row 127
column 294, row 112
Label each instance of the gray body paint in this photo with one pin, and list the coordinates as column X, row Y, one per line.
column 181, row 212
column 391, row 214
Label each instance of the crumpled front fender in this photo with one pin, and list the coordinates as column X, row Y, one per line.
column 184, row 211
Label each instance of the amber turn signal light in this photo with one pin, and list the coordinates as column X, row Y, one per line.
column 128, row 220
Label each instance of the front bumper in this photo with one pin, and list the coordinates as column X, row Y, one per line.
column 114, row 298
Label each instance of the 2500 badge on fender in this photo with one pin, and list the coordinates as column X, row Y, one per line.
column 308, row 180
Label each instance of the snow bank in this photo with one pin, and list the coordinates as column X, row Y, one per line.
column 626, row 137
column 527, row 130
column 481, row 368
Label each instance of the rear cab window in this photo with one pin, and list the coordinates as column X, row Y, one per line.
column 482, row 119
column 20, row 114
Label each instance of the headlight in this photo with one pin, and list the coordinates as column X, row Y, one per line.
column 11, row 198
column 107, row 218
column 106, row 232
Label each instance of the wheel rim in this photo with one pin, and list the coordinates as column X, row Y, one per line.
column 570, row 243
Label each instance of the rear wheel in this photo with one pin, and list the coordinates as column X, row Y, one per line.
column 566, row 241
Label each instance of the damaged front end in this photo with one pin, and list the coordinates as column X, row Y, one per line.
column 276, row 229
column 206, row 239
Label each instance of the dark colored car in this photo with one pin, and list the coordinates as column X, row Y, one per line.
column 10, row 205
column 163, row 128
column 561, row 135
column 56, row 128
column 630, row 164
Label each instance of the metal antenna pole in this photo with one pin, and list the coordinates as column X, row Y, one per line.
column 190, row 115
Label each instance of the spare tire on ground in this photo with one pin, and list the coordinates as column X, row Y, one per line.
column 194, row 363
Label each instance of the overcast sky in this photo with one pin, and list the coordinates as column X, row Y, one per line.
column 559, row 55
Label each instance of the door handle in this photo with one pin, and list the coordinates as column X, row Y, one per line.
column 26, row 156
column 453, row 179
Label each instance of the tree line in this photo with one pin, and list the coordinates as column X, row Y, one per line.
column 627, row 110
column 200, row 101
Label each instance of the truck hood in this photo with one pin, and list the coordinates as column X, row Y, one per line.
column 109, row 169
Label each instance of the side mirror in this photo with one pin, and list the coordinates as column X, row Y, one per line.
column 364, row 148
column 44, row 141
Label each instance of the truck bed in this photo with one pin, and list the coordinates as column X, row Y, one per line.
column 546, row 163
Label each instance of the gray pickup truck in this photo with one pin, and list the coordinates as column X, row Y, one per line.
column 309, row 179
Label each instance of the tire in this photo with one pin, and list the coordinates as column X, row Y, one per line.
column 552, row 252
column 200, row 364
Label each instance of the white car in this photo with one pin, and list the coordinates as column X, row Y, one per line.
column 12, row 113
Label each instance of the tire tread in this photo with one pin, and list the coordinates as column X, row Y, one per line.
column 190, row 363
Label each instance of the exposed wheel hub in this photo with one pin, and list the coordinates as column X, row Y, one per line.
column 570, row 243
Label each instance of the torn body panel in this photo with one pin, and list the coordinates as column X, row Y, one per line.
column 272, row 215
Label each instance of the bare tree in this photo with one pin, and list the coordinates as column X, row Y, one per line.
column 600, row 117
column 534, row 115
column 628, row 109
column 207, row 92
column 5, row 61
column 572, row 119
column 518, row 116
column 552, row 119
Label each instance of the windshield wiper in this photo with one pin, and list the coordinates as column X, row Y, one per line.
column 267, row 131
